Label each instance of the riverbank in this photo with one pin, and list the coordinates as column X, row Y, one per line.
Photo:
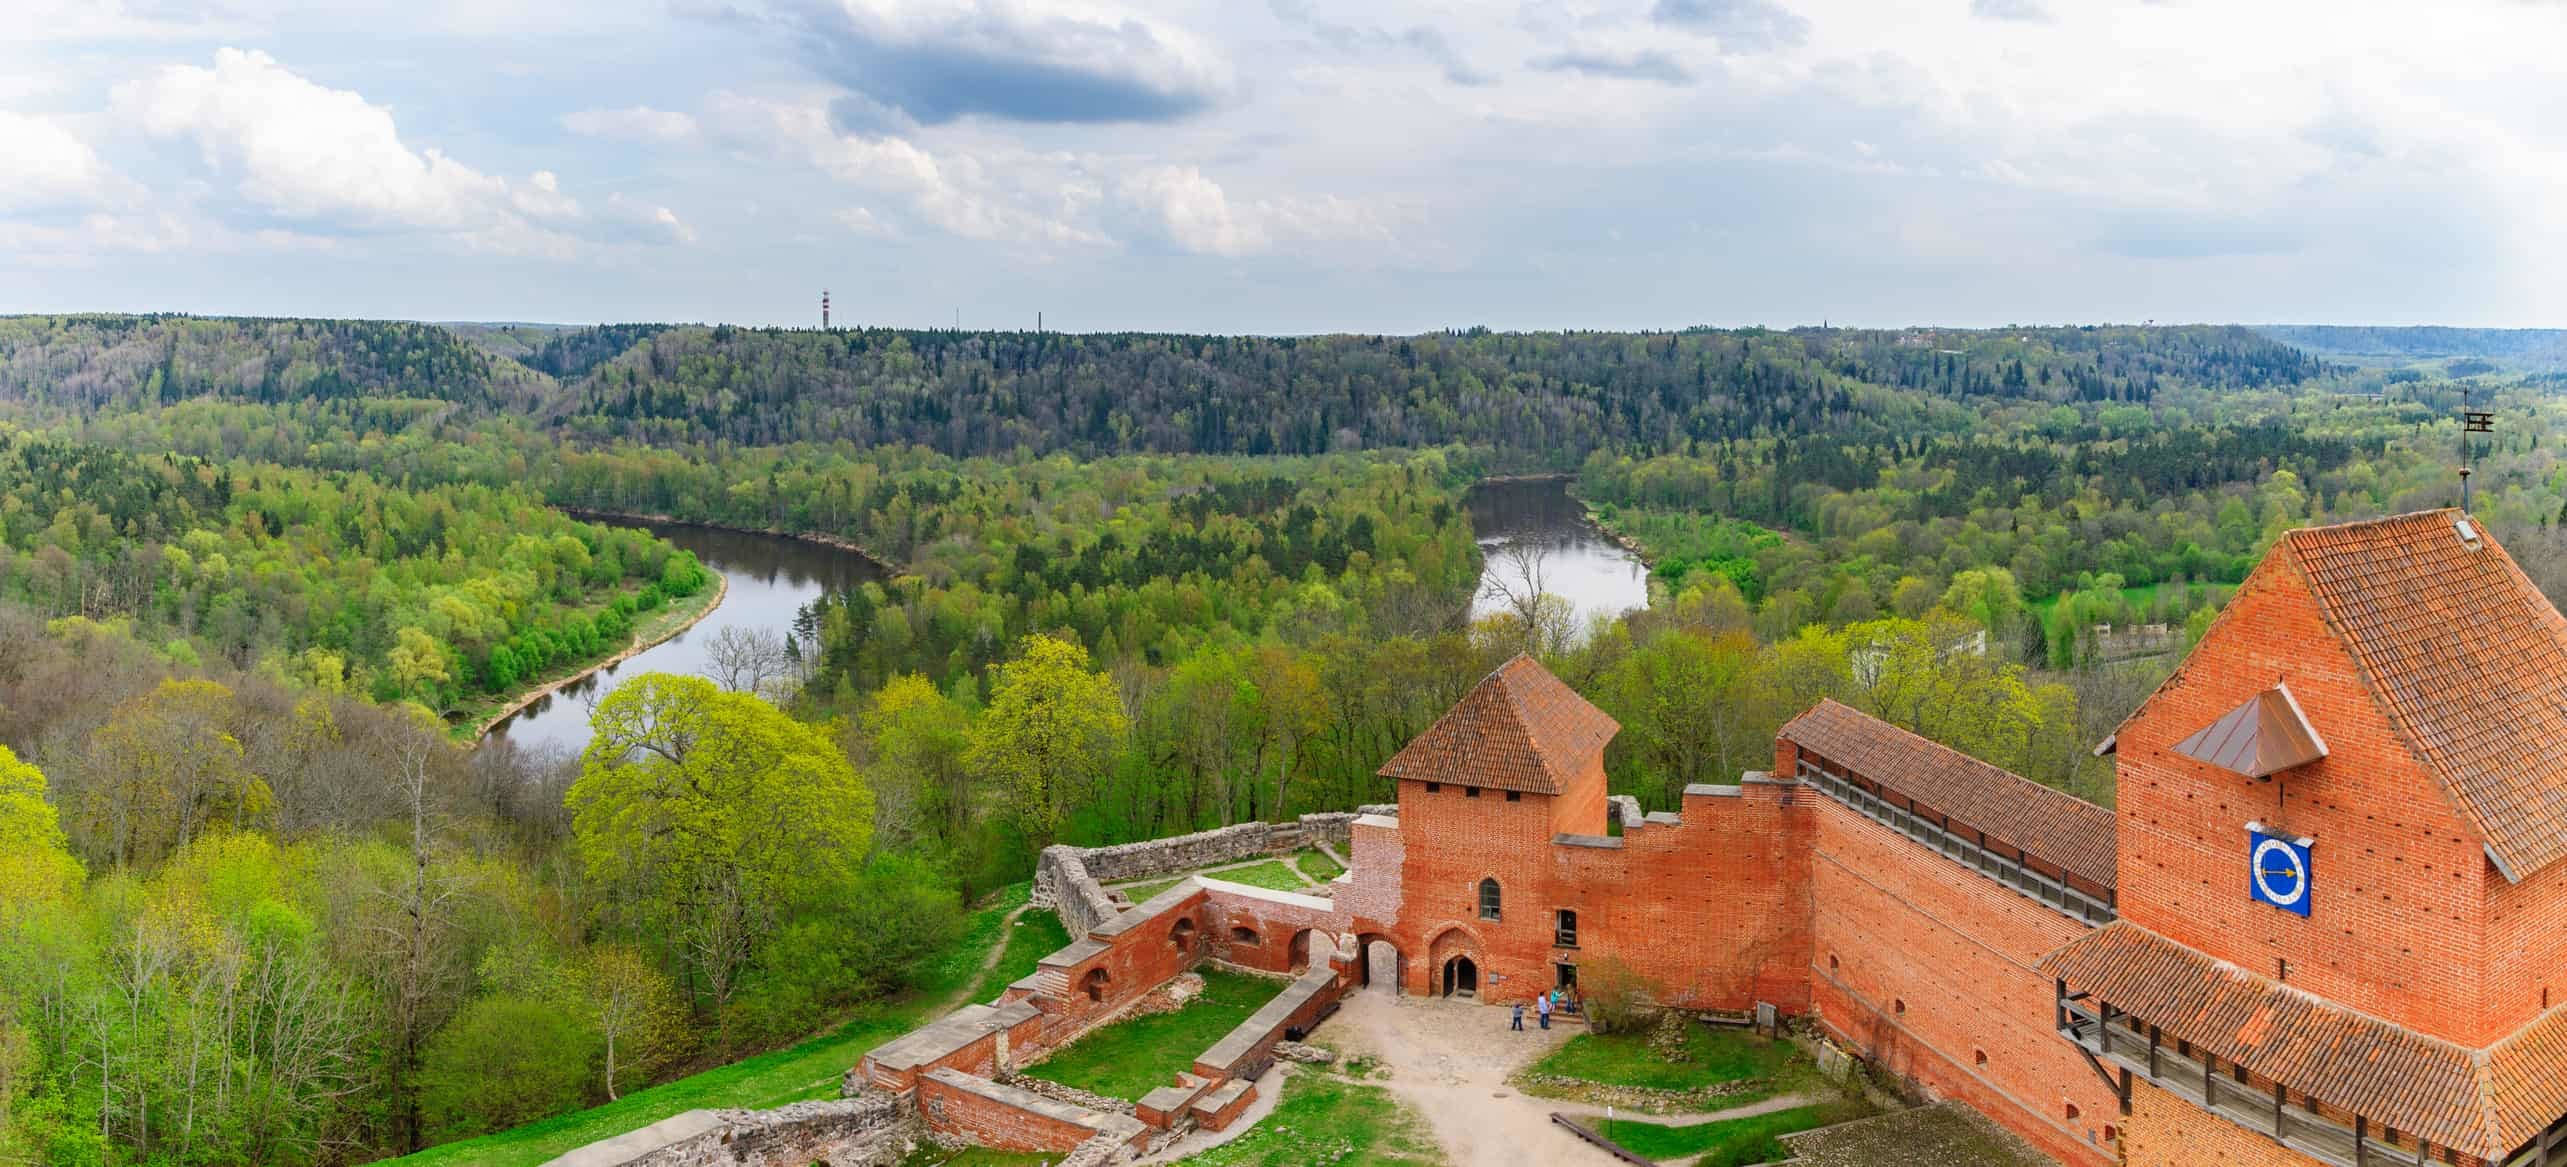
column 832, row 542
column 661, row 627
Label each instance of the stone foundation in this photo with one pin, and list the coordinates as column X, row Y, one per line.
column 857, row 1132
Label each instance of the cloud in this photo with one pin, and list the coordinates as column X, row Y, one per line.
column 2030, row 11
column 1423, row 40
column 1646, row 65
column 936, row 61
column 1031, row 199
column 643, row 222
column 639, row 123
column 331, row 160
column 1739, row 24
column 1193, row 213
column 48, row 166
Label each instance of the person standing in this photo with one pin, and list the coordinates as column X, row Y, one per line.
column 1544, row 1001
column 1519, row 1017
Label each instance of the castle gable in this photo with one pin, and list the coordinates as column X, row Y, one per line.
column 1520, row 729
column 2465, row 657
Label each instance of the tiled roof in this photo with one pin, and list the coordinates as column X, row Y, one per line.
column 2051, row 825
column 2265, row 736
column 2467, row 658
column 2344, row 1058
column 1520, row 729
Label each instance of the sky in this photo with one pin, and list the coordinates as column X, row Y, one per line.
column 1289, row 166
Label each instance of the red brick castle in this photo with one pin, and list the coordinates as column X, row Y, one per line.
column 2326, row 923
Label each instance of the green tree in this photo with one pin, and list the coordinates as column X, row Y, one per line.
column 1051, row 729
column 504, row 1060
column 36, row 866
column 703, row 815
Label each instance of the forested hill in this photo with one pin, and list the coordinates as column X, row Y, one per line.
column 2531, row 348
column 84, row 365
column 1545, row 396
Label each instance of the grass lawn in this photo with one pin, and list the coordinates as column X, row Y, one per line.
column 1130, row 1058
column 806, row 1071
column 1325, row 1118
column 1719, row 1055
column 1733, row 1143
column 1318, row 866
column 1268, row 874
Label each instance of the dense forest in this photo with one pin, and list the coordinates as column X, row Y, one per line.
column 255, row 907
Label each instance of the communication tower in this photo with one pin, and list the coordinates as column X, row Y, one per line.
column 824, row 309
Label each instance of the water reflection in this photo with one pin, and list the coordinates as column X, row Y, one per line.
column 1535, row 527
column 770, row 579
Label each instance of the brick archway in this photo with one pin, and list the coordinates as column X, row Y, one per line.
column 1456, row 965
column 1381, row 964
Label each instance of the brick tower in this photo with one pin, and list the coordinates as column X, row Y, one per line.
column 2343, row 915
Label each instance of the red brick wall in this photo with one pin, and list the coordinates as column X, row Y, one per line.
column 1714, row 912
column 1925, row 966
column 2397, row 926
column 2166, row 1131
column 1135, row 961
column 991, row 1122
column 2526, row 947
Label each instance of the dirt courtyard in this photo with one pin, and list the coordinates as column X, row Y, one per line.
column 1450, row 1060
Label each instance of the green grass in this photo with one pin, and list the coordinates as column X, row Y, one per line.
column 805, row 1071
column 1140, row 893
column 1317, row 865
column 1719, row 1055
column 1323, row 1118
column 1270, row 874
column 1130, row 1058
column 1732, row 1143
column 1036, row 935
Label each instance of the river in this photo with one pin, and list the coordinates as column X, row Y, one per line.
column 1577, row 562
column 770, row 578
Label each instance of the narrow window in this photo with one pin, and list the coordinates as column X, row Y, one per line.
column 1978, row 1057
column 1470, row 792
column 1515, row 796
column 1434, row 787
column 1898, row 1005
column 2072, row 1110
column 1567, row 929
column 1488, row 899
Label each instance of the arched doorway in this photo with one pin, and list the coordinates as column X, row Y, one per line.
column 1181, row 937
column 1461, row 977
column 1299, row 961
column 1381, row 966
column 1096, row 983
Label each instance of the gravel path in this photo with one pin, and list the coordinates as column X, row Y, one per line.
column 1450, row 1060
column 1750, row 1110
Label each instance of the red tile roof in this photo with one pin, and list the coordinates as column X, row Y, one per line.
column 2467, row 659
column 2482, row 1102
column 2014, row 811
column 1520, row 729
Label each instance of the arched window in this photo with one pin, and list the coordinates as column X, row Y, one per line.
column 1488, row 899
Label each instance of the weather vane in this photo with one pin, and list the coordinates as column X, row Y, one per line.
column 2473, row 420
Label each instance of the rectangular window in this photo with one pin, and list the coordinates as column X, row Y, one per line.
column 1433, row 787
column 1470, row 792
column 1567, row 930
column 1515, row 796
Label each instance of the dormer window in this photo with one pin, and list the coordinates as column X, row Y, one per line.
column 2263, row 737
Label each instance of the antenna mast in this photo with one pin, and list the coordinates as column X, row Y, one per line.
column 824, row 309
column 2473, row 420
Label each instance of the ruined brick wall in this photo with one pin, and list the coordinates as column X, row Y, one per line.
column 1929, row 969
column 2166, row 1131
column 859, row 1132
column 2397, row 925
column 1069, row 879
column 988, row 1114
column 1272, row 931
column 1063, row 884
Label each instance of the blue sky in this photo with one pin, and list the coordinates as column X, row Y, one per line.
column 1289, row 165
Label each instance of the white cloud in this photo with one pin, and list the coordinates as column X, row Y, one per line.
column 647, row 222
column 639, row 123
column 1197, row 215
column 48, row 165
column 327, row 157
